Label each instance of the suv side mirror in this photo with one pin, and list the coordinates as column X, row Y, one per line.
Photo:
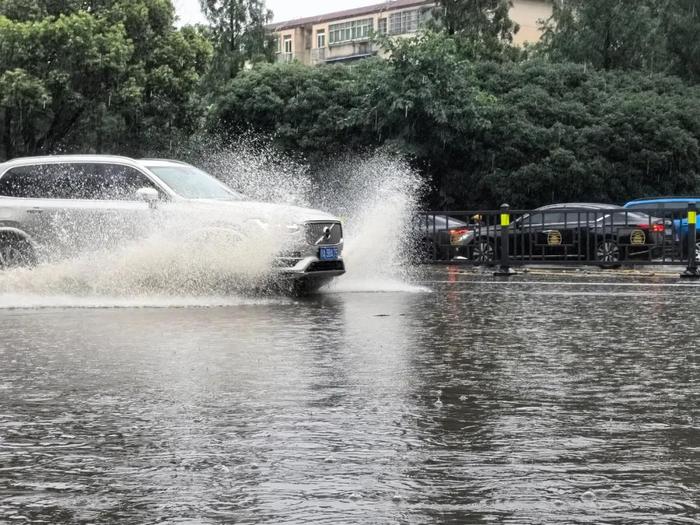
column 149, row 195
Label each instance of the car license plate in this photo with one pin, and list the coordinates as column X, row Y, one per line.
column 328, row 253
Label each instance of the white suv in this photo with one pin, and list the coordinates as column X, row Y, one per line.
column 51, row 206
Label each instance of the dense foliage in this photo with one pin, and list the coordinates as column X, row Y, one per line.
column 239, row 35
column 650, row 35
column 527, row 133
column 483, row 24
column 605, row 108
column 114, row 77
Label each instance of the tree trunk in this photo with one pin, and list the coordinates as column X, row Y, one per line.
column 7, row 134
column 59, row 128
column 607, row 59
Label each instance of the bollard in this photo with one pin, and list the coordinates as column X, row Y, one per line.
column 504, row 269
column 692, row 271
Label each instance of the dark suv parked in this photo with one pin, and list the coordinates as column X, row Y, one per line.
column 575, row 231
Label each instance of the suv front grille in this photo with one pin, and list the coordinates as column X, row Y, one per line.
column 326, row 266
column 324, row 233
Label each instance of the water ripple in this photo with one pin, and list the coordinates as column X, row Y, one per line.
column 526, row 403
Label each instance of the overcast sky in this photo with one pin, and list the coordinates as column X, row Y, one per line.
column 189, row 12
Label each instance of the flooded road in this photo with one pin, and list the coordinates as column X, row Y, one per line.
column 545, row 399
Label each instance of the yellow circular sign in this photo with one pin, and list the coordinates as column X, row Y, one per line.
column 638, row 237
column 554, row 238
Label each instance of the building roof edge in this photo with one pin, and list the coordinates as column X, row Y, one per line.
column 348, row 13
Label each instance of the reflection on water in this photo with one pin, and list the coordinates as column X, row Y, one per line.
column 530, row 402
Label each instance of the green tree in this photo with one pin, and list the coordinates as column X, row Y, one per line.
column 239, row 34
column 166, row 69
column 608, row 34
column 117, row 78
column 564, row 132
column 23, row 99
column 682, row 23
column 25, row 10
column 422, row 99
column 53, row 68
column 484, row 26
column 529, row 133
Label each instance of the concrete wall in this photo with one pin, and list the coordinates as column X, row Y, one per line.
column 527, row 14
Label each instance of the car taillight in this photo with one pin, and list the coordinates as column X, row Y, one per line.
column 457, row 234
column 656, row 228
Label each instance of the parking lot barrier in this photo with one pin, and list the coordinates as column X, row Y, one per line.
column 504, row 269
column 692, row 272
column 505, row 238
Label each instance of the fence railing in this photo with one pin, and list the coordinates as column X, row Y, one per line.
column 607, row 237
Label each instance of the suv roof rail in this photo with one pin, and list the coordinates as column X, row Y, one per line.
column 164, row 160
column 565, row 205
column 678, row 197
column 67, row 157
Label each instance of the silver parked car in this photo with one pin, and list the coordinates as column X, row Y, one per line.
column 52, row 207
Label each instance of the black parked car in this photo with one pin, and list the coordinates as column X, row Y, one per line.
column 441, row 237
column 575, row 231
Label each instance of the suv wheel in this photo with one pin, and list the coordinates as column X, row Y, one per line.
column 608, row 252
column 15, row 253
column 483, row 251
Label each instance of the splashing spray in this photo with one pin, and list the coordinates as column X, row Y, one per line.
column 174, row 263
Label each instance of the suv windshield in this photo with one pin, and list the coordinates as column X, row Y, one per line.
column 192, row 183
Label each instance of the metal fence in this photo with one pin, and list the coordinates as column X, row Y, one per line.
column 606, row 237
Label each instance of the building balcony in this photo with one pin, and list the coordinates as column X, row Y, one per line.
column 349, row 51
column 318, row 55
column 285, row 58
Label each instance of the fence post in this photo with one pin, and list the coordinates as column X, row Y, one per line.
column 504, row 269
column 692, row 271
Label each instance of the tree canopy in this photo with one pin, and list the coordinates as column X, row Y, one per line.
column 482, row 28
column 527, row 133
column 605, row 108
column 239, row 34
column 648, row 35
column 477, row 19
column 108, row 78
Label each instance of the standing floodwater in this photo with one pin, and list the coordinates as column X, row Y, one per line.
column 539, row 400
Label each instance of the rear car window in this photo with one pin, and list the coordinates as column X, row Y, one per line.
column 74, row 181
column 550, row 217
column 439, row 222
column 28, row 182
column 625, row 218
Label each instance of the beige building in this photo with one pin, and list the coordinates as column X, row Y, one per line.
column 345, row 35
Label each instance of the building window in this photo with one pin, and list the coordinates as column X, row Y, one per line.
column 381, row 26
column 321, row 39
column 404, row 22
column 348, row 31
column 287, row 44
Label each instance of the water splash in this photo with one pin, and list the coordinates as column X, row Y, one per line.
column 254, row 167
column 176, row 264
column 375, row 195
column 185, row 253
